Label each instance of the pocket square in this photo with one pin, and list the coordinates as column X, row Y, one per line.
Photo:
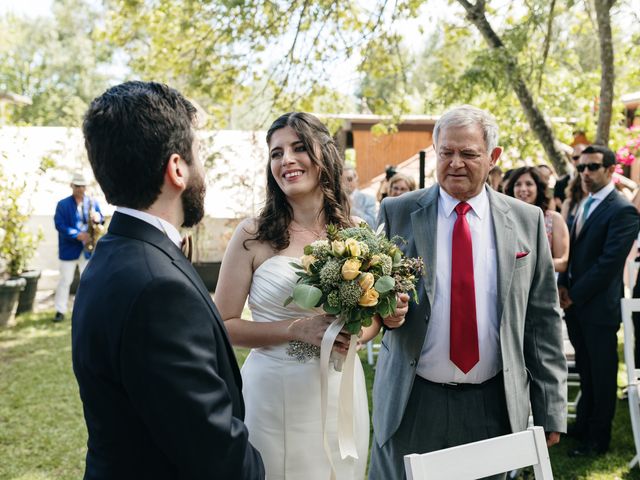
column 521, row 254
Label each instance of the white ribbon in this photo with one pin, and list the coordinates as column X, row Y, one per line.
column 347, row 401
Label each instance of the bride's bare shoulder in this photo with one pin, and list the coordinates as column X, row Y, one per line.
column 245, row 235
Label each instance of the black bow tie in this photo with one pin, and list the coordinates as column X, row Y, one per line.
column 187, row 246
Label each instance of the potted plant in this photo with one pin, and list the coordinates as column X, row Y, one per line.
column 17, row 248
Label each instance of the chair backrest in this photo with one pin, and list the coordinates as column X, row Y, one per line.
column 630, row 305
column 632, row 271
column 484, row 458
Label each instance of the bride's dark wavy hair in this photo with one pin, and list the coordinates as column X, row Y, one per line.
column 273, row 221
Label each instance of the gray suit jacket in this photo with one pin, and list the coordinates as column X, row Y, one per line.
column 534, row 364
column 363, row 205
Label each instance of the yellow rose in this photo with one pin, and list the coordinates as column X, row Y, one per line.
column 353, row 246
column 338, row 247
column 375, row 260
column 369, row 298
column 351, row 269
column 366, row 281
column 307, row 261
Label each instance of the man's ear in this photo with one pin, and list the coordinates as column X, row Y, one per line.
column 176, row 172
column 495, row 155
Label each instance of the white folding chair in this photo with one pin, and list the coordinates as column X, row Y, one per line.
column 573, row 379
column 630, row 305
column 372, row 351
column 484, row 458
column 632, row 274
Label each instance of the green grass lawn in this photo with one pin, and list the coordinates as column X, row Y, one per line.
column 42, row 431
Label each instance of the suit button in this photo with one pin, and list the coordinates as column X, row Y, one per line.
column 412, row 363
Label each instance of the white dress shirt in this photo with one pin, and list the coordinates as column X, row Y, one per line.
column 161, row 224
column 435, row 364
column 598, row 197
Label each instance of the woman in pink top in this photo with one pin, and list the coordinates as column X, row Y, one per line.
column 526, row 184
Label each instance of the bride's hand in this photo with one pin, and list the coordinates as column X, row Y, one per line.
column 311, row 330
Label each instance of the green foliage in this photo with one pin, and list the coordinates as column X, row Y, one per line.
column 17, row 244
column 243, row 61
column 54, row 61
column 455, row 66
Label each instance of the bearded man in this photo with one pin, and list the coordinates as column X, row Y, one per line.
column 158, row 379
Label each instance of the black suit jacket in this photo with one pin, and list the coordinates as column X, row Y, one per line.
column 596, row 260
column 159, row 382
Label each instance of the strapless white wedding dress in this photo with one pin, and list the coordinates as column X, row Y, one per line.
column 282, row 395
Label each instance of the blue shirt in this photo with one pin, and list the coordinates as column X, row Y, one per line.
column 70, row 220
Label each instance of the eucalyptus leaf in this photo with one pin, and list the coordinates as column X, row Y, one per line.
column 384, row 284
column 288, row 301
column 306, row 296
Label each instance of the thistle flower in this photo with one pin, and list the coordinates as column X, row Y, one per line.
column 330, row 274
column 333, row 299
column 387, row 264
column 350, row 293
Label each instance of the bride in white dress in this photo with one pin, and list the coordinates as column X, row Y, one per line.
column 281, row 386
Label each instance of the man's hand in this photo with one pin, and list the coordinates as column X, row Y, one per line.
column 95, row 217
column 402, row 307
column 552, row 438
column 83, row 237
column 565, row 300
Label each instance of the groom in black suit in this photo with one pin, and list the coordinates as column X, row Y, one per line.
column 158, row 379
column 590, row 291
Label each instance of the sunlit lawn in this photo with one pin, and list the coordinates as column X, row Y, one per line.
column 42, row 431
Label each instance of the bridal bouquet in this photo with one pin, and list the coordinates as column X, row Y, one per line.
column 354, row 274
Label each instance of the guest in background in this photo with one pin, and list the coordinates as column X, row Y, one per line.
column 495, row 178
column 527, row 184
column 505, row 180
column 549, row 177
column 590, row 291
column 574, row 194
column 560, row 188
column 383, row 189
column 363, row 205
column 401, row 183
column 73, row 216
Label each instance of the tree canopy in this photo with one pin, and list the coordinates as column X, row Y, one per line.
column 247, row 61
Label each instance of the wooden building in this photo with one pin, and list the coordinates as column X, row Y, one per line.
column 373, row 152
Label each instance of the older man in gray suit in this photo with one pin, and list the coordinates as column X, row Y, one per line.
column 484, row 343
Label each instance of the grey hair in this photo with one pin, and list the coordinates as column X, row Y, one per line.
column 466, row 116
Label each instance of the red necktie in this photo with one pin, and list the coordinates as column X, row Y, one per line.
column 463, row 346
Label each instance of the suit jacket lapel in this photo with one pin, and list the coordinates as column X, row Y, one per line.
column 602, row 207
column 424, row 224
column 505, row 247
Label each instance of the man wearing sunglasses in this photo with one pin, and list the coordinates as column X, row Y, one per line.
column 590, row 290
column 562, row 183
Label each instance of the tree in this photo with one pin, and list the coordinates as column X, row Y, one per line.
column 476, row 15
column 603, row 16
column 228, row 53
column 54, row 61
column 549, row 45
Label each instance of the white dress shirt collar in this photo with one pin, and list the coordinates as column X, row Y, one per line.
column 160, row 223
column 603, row 192
column 479, row 203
